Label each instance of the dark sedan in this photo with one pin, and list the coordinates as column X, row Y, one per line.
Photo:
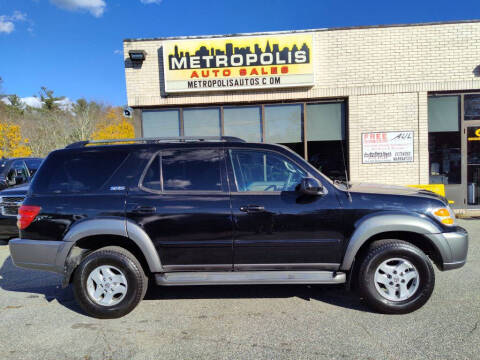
column 17, row 171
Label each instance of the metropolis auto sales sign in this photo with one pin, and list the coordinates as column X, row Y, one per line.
column 236, row 63
column 387, row 147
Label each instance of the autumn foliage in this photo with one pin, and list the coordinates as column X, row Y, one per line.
column 11, row 142
column 115, row 126
column 35, row 131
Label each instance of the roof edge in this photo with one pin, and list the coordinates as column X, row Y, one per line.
column 381, row 26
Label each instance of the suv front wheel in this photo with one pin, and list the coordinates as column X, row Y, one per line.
column 396, row 277
column 109, row 283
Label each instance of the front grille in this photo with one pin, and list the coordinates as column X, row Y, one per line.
column 12, row 199
column 9, row 205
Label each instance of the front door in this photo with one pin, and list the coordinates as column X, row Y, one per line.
column 275, row 226
column 183, row 204
column 473, row 166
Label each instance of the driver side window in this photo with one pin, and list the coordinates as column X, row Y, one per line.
column 264, row 171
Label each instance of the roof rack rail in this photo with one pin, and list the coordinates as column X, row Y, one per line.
column 80, row 144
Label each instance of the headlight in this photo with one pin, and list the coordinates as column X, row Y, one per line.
column 445, row 215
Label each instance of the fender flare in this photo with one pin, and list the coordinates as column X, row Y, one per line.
column 110, row 226
column 374, row 224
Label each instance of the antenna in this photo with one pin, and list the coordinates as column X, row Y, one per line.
column 346, row 172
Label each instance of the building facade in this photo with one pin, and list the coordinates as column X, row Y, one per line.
column 394, row 104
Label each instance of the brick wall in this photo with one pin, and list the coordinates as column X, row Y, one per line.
column 389, row 112
column 386, row 74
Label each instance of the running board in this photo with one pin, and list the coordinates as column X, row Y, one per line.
column 249, row 278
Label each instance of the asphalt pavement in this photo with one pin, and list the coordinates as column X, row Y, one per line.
column 40, row 320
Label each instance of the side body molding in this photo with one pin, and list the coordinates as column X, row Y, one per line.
column 110, row 226
column 384, row 222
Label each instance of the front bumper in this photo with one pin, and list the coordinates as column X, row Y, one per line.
column 453, row 248
column 8, row 227
column 39, row 254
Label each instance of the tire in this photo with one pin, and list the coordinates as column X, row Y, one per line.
column 395, row 277
column 109, row 283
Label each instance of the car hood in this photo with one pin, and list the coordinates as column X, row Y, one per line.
column 371, row 188
column 16, row 190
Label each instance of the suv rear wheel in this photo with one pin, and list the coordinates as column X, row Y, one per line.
column 109, row 283
column 396, row 277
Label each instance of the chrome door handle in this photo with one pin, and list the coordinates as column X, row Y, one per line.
column 252, row 208
column 145, row 209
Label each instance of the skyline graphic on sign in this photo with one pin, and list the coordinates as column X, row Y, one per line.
column 240, row 62
column 286, row 55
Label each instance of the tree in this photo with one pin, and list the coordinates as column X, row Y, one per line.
column 115, row 126
column 12, row 144
column 16, row 107
column 49, row 102
column 86, row 116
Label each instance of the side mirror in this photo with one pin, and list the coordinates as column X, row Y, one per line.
column 311, row 186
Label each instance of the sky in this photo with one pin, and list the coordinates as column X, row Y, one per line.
column 74, row 47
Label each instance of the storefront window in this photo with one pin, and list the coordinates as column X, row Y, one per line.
column 473, row 165
column 472, row 107
column 243, row 122
column 283, row 125
column 444, row 139
column 326, row 138
column 201, row 122
column 158, row 123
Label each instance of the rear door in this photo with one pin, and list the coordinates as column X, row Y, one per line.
column 183, row 204
column 276, row 227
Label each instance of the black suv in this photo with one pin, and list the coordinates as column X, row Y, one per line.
column 190, row 211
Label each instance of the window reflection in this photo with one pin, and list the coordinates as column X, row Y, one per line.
column 326, row 138
column 473, row 165
column 444, row 140
column 160, row 123
column 201, row 122
column 152, row 176
column 243, row 122
column 472, row 107
column 283, row 125
column 197, row 169
column 264, row 171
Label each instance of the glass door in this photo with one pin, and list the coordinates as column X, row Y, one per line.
column 473, row 166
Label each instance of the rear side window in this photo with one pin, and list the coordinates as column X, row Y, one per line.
column 33, row 164
column 185, row 170
column 152, row 176
column 66, row 172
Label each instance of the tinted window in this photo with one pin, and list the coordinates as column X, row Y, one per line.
column 18, row 169
column 161, row 123
column 66, row 172
column 444, row 140
column 201, row 122
column 197, row 169
column 243, row 122
column 264, row 171
column 33, row 164
column 152, row 176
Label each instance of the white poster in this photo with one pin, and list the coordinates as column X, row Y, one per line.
column 387, row 147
